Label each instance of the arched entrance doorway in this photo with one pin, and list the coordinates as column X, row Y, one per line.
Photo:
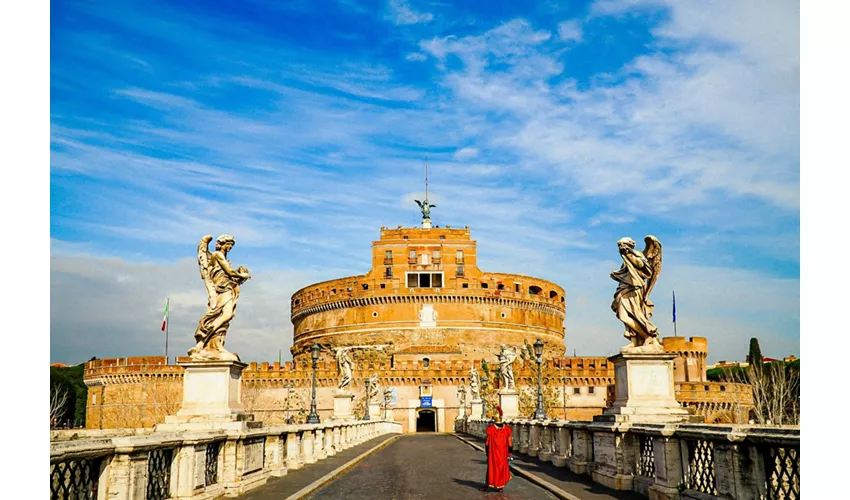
column 426, row 421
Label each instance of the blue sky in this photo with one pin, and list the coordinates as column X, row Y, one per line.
column 552, row 130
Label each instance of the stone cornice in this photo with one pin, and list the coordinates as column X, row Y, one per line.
column 514, row 303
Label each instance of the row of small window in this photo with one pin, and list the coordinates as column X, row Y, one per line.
column 428, row 280
column 590, row 390
column 435, row 254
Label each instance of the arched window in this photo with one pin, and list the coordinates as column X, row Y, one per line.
column 534, row 290
column 553, row 294
column 426, row 362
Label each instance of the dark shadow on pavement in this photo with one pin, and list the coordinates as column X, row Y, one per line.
column 467, row 482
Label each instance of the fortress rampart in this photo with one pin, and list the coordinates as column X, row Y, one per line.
column 690, row 365
column 141, row 391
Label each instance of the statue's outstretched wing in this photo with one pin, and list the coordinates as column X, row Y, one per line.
column 205, row 265
column 418, row 203
column 652, row 252
column 433, row 206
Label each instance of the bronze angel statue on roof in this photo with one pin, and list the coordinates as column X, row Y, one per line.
column 635, row 280
column 426, row 208
column 222, row 284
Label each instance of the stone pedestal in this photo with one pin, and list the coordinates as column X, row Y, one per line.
column 645, row 390
column 375, row 412
column 212, row 398
column 509, row 401
column 343, row 406
column 476, row 409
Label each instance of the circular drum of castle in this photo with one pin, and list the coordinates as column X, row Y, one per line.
column 426, row 295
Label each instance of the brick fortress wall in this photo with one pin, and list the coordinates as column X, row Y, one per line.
column 141, row 391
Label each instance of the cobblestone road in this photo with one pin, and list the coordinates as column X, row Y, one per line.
column 424, row 466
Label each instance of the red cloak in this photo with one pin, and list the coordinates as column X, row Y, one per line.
column 498, row 447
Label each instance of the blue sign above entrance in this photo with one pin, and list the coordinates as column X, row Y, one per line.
column 425, row 401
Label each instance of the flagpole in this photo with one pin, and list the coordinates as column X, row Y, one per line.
column 167, row 303
column 675, row 329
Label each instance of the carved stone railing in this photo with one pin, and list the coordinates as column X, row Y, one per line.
column 666, row 461
column 197, row 465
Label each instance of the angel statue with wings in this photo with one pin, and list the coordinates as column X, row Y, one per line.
column 475, row 384
column 374, row 387
column 222, row 284
column 506, row 358
column 426, row 208
column 635, row 280
column 344, row 365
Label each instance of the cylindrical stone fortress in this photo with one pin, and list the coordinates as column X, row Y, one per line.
column 425, row 289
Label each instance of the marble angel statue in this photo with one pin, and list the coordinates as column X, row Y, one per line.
column 374, row 387
column 635, row 280
column 344, row 365
column 222, row 284
column 474, row 384
column 461, row 396
column 506, row 359
column 388, row 399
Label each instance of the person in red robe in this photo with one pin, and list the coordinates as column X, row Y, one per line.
column 498, row 446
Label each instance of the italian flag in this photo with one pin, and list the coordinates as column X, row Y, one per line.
column 165, row 315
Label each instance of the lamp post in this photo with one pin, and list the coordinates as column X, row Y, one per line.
column 540, row 413
column 368, row 387
column 313, row 417
column 484, row 381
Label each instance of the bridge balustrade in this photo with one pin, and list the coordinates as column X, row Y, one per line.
column 138, row 464
column 665, row 461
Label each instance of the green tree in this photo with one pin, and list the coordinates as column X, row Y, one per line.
column 755, row 358
column 70, row 379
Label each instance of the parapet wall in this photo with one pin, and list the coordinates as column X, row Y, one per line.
column 130, row 370
column 141, row 391
column 718, row 402
column 690, row 365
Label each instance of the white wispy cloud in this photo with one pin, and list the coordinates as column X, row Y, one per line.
column 466, row 153
column 688, row 124
column 402, row 13
column 570, row 31
column 610, row 219
column 416, row 56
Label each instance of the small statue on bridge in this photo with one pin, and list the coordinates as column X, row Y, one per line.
column 635, row 280
column 222, row 284
column 344, row 365
column 374, row 388
column 475, row 384
column 506, row 359
column 388, row 399
column 461, row 396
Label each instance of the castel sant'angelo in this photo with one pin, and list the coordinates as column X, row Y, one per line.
column 426, row 295
column 421, row 318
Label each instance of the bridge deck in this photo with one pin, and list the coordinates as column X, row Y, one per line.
column 426, row 466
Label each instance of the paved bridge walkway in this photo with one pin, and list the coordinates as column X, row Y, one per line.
column 426, row 466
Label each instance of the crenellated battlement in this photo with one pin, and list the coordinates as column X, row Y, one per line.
column 127, row 370
column 690, row 363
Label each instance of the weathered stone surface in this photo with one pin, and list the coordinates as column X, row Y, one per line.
column 254, row 455
column 645, row 390
column 343, row 406
column 509, row 402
